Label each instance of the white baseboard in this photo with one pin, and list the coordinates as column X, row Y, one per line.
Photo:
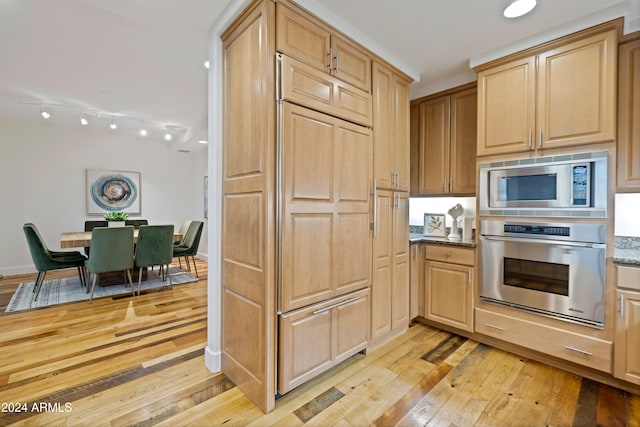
column 12, row 271
column 202, row 256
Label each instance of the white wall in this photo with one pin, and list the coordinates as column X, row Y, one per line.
column 42, row 171
column 627, row 215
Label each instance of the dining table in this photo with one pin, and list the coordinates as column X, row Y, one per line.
column 82, row 239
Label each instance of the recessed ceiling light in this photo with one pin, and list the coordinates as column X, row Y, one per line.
column 519, row 7
column 202, row 141
column 143, row 132
column 167, row 137
column 206, row 64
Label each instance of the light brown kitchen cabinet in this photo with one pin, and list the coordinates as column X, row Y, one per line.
column 390, row 282
column 391, row 125
column 312, row 42
column 563, row 95
column 446, row 144
column 316, row 338
column 416, row 280
column 449, row 285
column 627, row 340
column 326, row 248
column 628, row 113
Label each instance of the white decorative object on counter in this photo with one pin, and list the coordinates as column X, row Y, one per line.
column 467, row 227
column 455, row 212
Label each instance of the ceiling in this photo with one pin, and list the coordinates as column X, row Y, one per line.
column 140, row 62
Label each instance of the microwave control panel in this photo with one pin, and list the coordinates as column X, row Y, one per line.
column 544, row 230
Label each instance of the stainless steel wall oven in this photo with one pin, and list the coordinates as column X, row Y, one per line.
column 554, row 269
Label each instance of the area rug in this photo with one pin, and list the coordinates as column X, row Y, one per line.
column 69, row 289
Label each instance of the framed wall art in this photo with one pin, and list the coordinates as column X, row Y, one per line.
column 434, row 225
column 112, row 190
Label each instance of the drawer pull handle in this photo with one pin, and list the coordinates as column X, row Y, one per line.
column 325, row 309
column 489, row 325
column 577, row 350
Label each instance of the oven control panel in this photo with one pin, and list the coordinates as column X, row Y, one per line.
column 544, row 230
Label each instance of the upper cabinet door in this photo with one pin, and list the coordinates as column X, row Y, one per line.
column 628, row 113
column 308, row 41
column 350, row 63
column 401, row 146
column 576, row 92
column 302, row 38
column 383, row 126
column 462, row 152
column 506, row 107
column 434, row 137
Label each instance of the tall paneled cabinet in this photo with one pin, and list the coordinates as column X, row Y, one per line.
column 390, row 281
column 305, row 119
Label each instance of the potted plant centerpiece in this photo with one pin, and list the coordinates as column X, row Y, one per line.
column 116, row 218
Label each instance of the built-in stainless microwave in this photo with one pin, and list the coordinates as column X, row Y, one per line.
column 569, row 185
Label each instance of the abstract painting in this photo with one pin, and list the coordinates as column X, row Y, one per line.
column 434, row 225
column 111, row 190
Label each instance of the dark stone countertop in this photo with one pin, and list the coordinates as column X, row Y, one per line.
column 627, row 250
column 420, row 238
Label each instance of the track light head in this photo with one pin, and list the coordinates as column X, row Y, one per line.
column 83, row 121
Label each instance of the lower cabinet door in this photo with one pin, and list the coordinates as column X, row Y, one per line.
column 315, row 338
column 449, row 294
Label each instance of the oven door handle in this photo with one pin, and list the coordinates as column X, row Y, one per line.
column 547, row 242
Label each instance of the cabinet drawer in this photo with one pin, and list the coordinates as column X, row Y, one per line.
column 577, row 348
column 628, row 277
column 304, row 85
column 452, row 254
column 317, row 337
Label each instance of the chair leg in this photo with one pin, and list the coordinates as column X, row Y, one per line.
column 81, row 276
column 139, row 279
column 186, row 260
column 168, row 275
column 180, row 263
column 39, row 284
column 194, row 266
column 133, row 293
column 93, row 286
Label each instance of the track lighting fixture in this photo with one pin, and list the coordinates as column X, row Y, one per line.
column 44, row 113
column 113, row 124
column 83, row 120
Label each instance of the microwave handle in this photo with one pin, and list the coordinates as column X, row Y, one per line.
column 547, row 242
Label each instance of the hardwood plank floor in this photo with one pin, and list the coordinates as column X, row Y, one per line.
column 140, row 362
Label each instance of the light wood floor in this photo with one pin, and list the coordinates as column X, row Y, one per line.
column 139, row 361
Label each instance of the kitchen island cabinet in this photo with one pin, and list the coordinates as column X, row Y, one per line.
column 562, row 94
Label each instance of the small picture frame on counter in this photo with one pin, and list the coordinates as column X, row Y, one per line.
column 434, row 225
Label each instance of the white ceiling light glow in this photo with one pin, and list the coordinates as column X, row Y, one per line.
column 143, row 132
column 167, row 136
column 83, row 120
column 519, row 7
column 202, row 141
column 44, row 113
column 113, row 124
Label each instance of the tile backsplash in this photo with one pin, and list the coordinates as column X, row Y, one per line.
column 418, row 206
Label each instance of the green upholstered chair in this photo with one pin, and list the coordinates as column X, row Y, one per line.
column 90, row 225
column 111, row 250
column 154, row 247
column 189, row 245
column 136, row 223
column 46, row 260
column 183, row 230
